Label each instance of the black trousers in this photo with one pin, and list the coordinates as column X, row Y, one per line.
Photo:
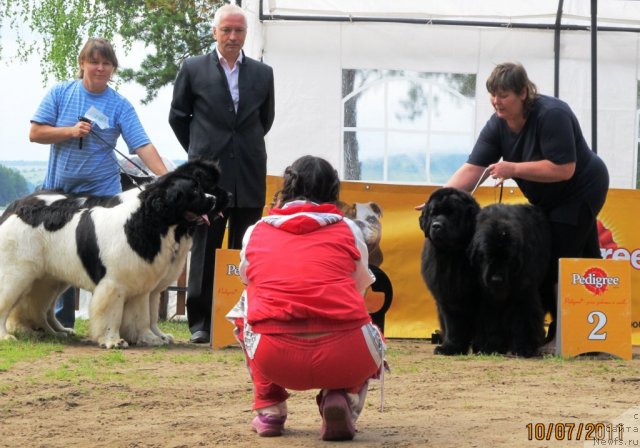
column 569, row 241
column 574, row 241
column 206, row 240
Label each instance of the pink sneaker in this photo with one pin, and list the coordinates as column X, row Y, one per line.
column 268, row 425
column 336, row 417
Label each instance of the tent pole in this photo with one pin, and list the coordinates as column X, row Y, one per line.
column 428, row 21
column 556, row 50
column 594, row 76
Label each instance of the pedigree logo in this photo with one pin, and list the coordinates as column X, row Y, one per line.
column 595, row 280
column 233, row 269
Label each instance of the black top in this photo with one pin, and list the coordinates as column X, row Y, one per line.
column 551, row 132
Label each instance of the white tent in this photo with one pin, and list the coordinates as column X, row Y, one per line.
column 315, row 46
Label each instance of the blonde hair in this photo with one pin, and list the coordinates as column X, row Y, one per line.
column 228, row 10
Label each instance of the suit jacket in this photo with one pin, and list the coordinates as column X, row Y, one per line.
column 206, row 124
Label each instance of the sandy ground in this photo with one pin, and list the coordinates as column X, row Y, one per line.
column 191, row 396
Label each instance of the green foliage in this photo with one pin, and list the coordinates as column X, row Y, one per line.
column 170, row 30
column 12, row 185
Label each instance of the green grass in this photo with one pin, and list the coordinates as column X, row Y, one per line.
column 31, row 347
column 128, row 368
column 179, row 330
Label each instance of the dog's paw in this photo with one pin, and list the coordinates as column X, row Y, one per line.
column 548, row 348
column 168, row 338
column 525, row 351
column 150, row 340
column 8, row 337
column 117, row 344
column 66, row 332
column 450, row 350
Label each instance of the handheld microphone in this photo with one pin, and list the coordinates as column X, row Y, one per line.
column 86, row 120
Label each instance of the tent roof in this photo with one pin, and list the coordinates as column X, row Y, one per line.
column 617, row 14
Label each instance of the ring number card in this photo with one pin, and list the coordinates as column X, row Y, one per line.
column 594, row 307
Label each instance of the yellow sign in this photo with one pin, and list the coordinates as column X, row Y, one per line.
column 413, row 313
column 594, row 307
column 227, row 290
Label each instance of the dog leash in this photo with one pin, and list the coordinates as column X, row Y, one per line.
column 482, row 179
column 145, row 172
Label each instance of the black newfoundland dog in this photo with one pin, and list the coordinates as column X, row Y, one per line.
column 510, row 252
column 448, row 222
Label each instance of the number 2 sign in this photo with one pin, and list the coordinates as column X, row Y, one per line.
column 594, row 307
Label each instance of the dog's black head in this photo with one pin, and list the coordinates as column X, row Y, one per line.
column 448, row 218
column 188, row 193
column 207, row 173
column 497, row 247
column 177, row 199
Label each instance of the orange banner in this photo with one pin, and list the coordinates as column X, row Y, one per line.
column 413, row 313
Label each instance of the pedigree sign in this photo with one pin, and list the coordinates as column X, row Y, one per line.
column 227, row 290
column 594, row 307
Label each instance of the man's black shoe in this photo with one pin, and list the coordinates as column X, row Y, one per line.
column 200, row 337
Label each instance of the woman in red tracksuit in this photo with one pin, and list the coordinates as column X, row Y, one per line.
column 302, row 319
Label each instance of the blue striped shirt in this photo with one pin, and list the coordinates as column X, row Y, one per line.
column 92, row 169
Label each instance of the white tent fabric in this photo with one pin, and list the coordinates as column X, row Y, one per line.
column 308, row 57
column 575, row 12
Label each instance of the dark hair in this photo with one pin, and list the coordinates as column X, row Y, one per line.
column 310, row 178
column 512, row 77
column 102, row 47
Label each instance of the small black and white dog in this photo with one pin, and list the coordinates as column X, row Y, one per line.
column 125, row 249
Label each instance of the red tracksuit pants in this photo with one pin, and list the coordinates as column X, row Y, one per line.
column 339, row 360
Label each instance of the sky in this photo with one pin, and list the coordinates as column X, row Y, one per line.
column 22, row 89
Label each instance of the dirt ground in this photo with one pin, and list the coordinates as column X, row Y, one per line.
column 191, row 396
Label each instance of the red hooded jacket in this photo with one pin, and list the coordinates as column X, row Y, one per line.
column 306, row 270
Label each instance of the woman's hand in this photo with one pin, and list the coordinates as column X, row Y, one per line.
column 502, row 171
column 536, row 171
column 81, row 129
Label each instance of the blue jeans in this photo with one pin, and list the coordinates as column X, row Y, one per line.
column 65, row 308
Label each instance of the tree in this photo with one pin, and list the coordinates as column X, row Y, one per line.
column 170, row 30
column 12, row 185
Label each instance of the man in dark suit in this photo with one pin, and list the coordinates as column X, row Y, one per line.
column 222, row 107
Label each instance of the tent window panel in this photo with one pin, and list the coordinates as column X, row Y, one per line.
column 407, row 157
column 391, row 116
column 369, row 108
column 452, row 112
column 448, row 153
column 408, row 104
column 369, row 145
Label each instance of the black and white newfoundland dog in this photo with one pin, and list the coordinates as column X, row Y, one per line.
column 448, row 221
column 511, row 253
column 126, row 249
